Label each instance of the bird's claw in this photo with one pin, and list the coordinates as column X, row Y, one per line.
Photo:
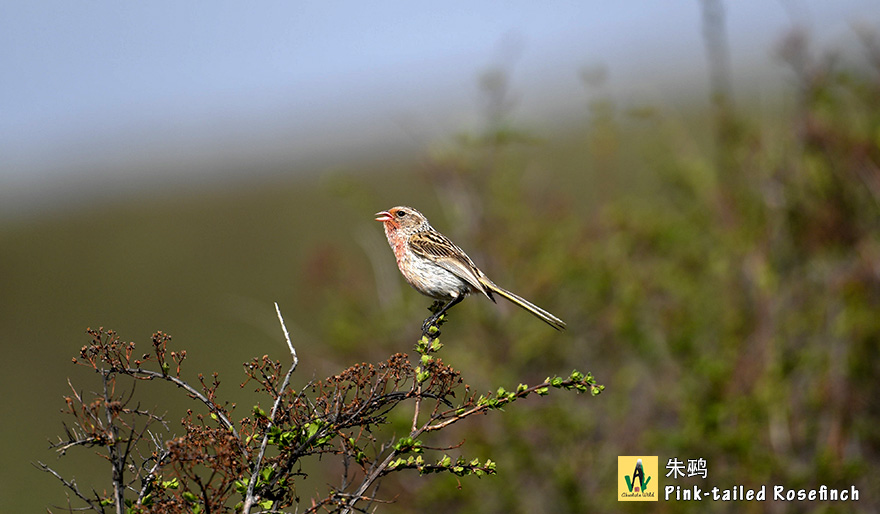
column 429, row 322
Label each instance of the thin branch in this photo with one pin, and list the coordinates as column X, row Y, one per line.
column 368, row 481
column 195, row 394
column 485, row 407
column 286, row 335
column 71, row 485
column 379, row 470
column 62, row 446
column 416, row 410
column 148, row 480
column 117, row 461
column 250, row 498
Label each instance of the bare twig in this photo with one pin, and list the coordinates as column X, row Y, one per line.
column 148, row 480
column 117, row 460
column 418, row 394
column 71, row 485
column 195, row 394
column 286, row 335
column 368, row 482
column 250, row 498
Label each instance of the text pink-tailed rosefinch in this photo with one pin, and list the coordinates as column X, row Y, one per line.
column 436, row 267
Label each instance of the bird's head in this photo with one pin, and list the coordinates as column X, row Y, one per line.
column 402, row 218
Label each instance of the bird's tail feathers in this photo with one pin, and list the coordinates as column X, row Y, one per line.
column 540, row 313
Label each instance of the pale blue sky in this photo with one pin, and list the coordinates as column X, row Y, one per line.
column 89, row 85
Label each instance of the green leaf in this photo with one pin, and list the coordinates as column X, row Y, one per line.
column 394, row 464
column 408, row 444
column 422, row 345
column 403, row 444
column 311, row 430
column 287, row 438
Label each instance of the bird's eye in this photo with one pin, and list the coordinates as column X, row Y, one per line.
column 401, row 214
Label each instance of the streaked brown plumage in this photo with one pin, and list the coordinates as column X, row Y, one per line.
column 436, row 267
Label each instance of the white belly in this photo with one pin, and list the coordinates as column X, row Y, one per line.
column 432, row 280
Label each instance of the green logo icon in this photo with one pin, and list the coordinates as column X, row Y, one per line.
column 638, row 472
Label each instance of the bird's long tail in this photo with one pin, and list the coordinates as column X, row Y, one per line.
column 540, row 313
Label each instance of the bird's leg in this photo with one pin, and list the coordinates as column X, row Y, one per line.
column 436, row 316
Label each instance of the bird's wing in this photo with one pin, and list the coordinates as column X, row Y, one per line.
column 437, row 248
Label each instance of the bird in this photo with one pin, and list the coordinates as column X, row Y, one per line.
column 436, row 267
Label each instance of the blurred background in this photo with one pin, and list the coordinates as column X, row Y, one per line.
column 692, row 186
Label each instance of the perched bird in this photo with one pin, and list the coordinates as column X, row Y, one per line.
column 436, row 267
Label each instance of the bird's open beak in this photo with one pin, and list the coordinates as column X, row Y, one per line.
column 384, row 216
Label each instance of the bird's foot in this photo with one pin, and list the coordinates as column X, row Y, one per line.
column 430, row 322
column 436, row 313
